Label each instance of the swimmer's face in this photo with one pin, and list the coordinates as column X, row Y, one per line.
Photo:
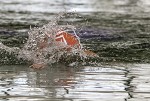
column 45, row 39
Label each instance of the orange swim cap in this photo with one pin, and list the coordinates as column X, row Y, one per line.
column 67, row 39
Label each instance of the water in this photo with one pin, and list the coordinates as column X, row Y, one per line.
column 117, row 30
column 121, row 82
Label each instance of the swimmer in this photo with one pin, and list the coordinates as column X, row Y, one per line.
column 63, row 39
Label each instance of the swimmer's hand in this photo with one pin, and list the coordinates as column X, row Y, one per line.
column 89, row 53
column 37, row 66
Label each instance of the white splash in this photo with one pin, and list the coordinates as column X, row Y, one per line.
column 52, row 53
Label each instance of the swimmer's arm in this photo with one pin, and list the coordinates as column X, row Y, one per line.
column 47, row 35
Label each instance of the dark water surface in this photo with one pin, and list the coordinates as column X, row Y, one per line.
column 117, row 30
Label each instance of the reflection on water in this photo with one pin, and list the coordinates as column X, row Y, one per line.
column 130, row 82
column 53, row 6
column 36, row 11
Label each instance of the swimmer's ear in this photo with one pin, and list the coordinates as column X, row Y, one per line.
column 90, row 53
